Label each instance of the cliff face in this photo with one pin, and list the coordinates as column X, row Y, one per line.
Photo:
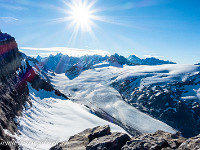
column 9, row 55
column 13, row 92
column 15, row 71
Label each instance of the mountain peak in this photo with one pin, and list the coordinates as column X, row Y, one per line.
column 147, row 61
column 39, row 58
column 133, row 57
column 59, row 54
column 4, row 36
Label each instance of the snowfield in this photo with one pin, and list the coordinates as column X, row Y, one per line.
column 52, row 119
column 92, row 88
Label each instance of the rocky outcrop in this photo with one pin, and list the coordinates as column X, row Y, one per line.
column 77, row 69
column 81, row 140
column 35, row 76
column 156, row 141
column 100, row 138
column 191, row 143
column 109, row 142
column 95, row 138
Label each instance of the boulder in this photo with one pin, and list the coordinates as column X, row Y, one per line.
column 174, row 140
column 114, row 141
column 157, row 141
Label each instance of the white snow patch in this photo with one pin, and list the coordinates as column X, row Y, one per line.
column 51, row 120
column 189, row 98
column 24, row 66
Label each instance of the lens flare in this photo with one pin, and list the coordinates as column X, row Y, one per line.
column 81, row 14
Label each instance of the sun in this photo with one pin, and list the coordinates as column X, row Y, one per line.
column 81, row 18
column 81, row 15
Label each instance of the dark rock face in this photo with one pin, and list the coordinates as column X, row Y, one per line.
column 81, row 140
column 156, row 141
column 34, row 77
column 77, row 69
column 118, row 60
column 15, row 72
column 13, row 93
column 109, row 142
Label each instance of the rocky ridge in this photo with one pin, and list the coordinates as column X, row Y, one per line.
column 100, row 138
column 13, row 93
column 147, row 61
column 16, row 70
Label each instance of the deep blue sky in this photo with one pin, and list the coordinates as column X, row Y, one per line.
column 169, row 29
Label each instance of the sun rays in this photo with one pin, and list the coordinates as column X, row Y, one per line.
column 87, row 19
column 81, row 15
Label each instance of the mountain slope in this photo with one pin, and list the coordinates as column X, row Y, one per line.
column 16, row 70
column 52, row 118
column 170, row 93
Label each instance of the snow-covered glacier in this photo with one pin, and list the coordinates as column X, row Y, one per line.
column 92, row 88
column 169, row 93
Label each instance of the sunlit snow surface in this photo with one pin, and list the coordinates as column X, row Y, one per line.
column 51, row 120
column 93, row 88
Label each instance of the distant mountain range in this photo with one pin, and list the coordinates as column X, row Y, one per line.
column 61, row 63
